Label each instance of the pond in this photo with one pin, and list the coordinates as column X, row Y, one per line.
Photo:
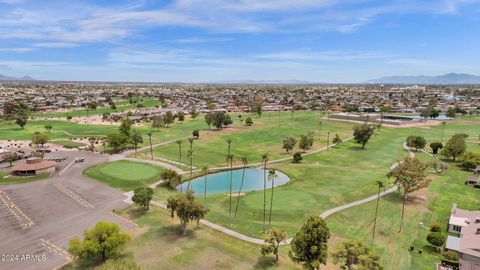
column 220, row 182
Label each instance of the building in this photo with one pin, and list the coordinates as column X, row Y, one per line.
column 466, row 225
column 34, row 166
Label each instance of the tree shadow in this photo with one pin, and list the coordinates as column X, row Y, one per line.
column 136, row 212
column 356, row 148
column 265, row 262
column 174, row 233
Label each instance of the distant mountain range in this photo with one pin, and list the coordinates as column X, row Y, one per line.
column 8, row 78
column 450, row 78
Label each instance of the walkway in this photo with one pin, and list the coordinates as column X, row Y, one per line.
column 323, row 215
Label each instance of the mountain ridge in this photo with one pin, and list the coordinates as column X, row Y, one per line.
column 449, row 78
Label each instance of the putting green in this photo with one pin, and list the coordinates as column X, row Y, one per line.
column 125, row 175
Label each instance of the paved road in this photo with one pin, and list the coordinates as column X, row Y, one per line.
column 38, row 218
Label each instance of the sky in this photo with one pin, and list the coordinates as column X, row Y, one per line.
column 330, row 41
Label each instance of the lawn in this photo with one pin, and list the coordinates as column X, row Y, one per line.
column 345, row 174
column 19, row 180
column 265, row 136
column 124, row 175
column 121, row 107
column 158, row 244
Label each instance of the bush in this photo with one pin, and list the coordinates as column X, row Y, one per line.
column 435, row 146
column 450, row 255
column 436, row 239
column 297, row 157
column 435, row 227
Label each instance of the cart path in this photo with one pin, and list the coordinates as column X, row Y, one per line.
column 325, row 214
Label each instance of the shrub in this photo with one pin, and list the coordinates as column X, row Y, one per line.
column 435, row 227
column 436, row 239
column 297, row 157
column 435, row 146
column 450, row 255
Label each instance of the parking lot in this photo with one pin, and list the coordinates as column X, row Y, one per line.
column 37, row 219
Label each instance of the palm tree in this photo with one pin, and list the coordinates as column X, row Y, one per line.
column 230, row 159
column 179, row 142
column 205, row 173
column 229, row 142
column 149, row 134
column 443, row 130
column 271, row 175
column 245, row 162
column 380, row 186
column 190, row 155
column 264, row 161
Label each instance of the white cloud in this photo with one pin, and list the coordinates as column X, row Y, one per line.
column 16, row 50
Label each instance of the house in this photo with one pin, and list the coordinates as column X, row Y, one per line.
column 466, row 225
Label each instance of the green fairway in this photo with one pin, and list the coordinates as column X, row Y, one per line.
column 121, row 107
column 265, row 136
column 125, row 175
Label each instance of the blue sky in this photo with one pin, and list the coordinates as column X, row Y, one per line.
column 221, row 40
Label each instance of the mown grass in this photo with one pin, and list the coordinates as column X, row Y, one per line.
column 124, row 175
column 20, row 180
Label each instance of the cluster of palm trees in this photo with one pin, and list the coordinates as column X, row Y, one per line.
column 230, row 159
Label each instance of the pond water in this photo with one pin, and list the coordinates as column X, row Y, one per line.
column 440, row 117
column 220, row 182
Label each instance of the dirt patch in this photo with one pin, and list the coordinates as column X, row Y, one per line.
column 418, row 201
column 236, row 194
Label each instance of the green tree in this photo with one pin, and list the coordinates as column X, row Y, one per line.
column 190, row 157
column 273, row 239
column 435, row 146
column 10, row 158
column 258, row 108
column 436, row 239
column 309, row 246
column 125, row 127
column 157, row 122
column 410, row 175
column 135, row 139
column 289, row 144
column 249, row 121
column 116, row 141
column 209, row 119
column 196, row 133
column 271, row 176
column 304, row 143
column 362, row 134
column 186, row 209
column 143, row 196
column 39, row 138
column 193, row 112
column 417, row 142
column 451, row 113
column 297, row 157
column 171, row 177
column 337, row 140
column 455, row 146
column 48, row 128
column 352, row 254
column 168, row 118
column 101, row 242
column 181, row 116
column 21, row 121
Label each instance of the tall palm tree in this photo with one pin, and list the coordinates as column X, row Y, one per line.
column 149, row 134
column 264, row 161
column 380, row 186
column 179, row 142
column 271, row 175
column 205, row 173
column 229, row 142
column 245, row 162
column 230, row 159
column 190, row 155
column 443, row 130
